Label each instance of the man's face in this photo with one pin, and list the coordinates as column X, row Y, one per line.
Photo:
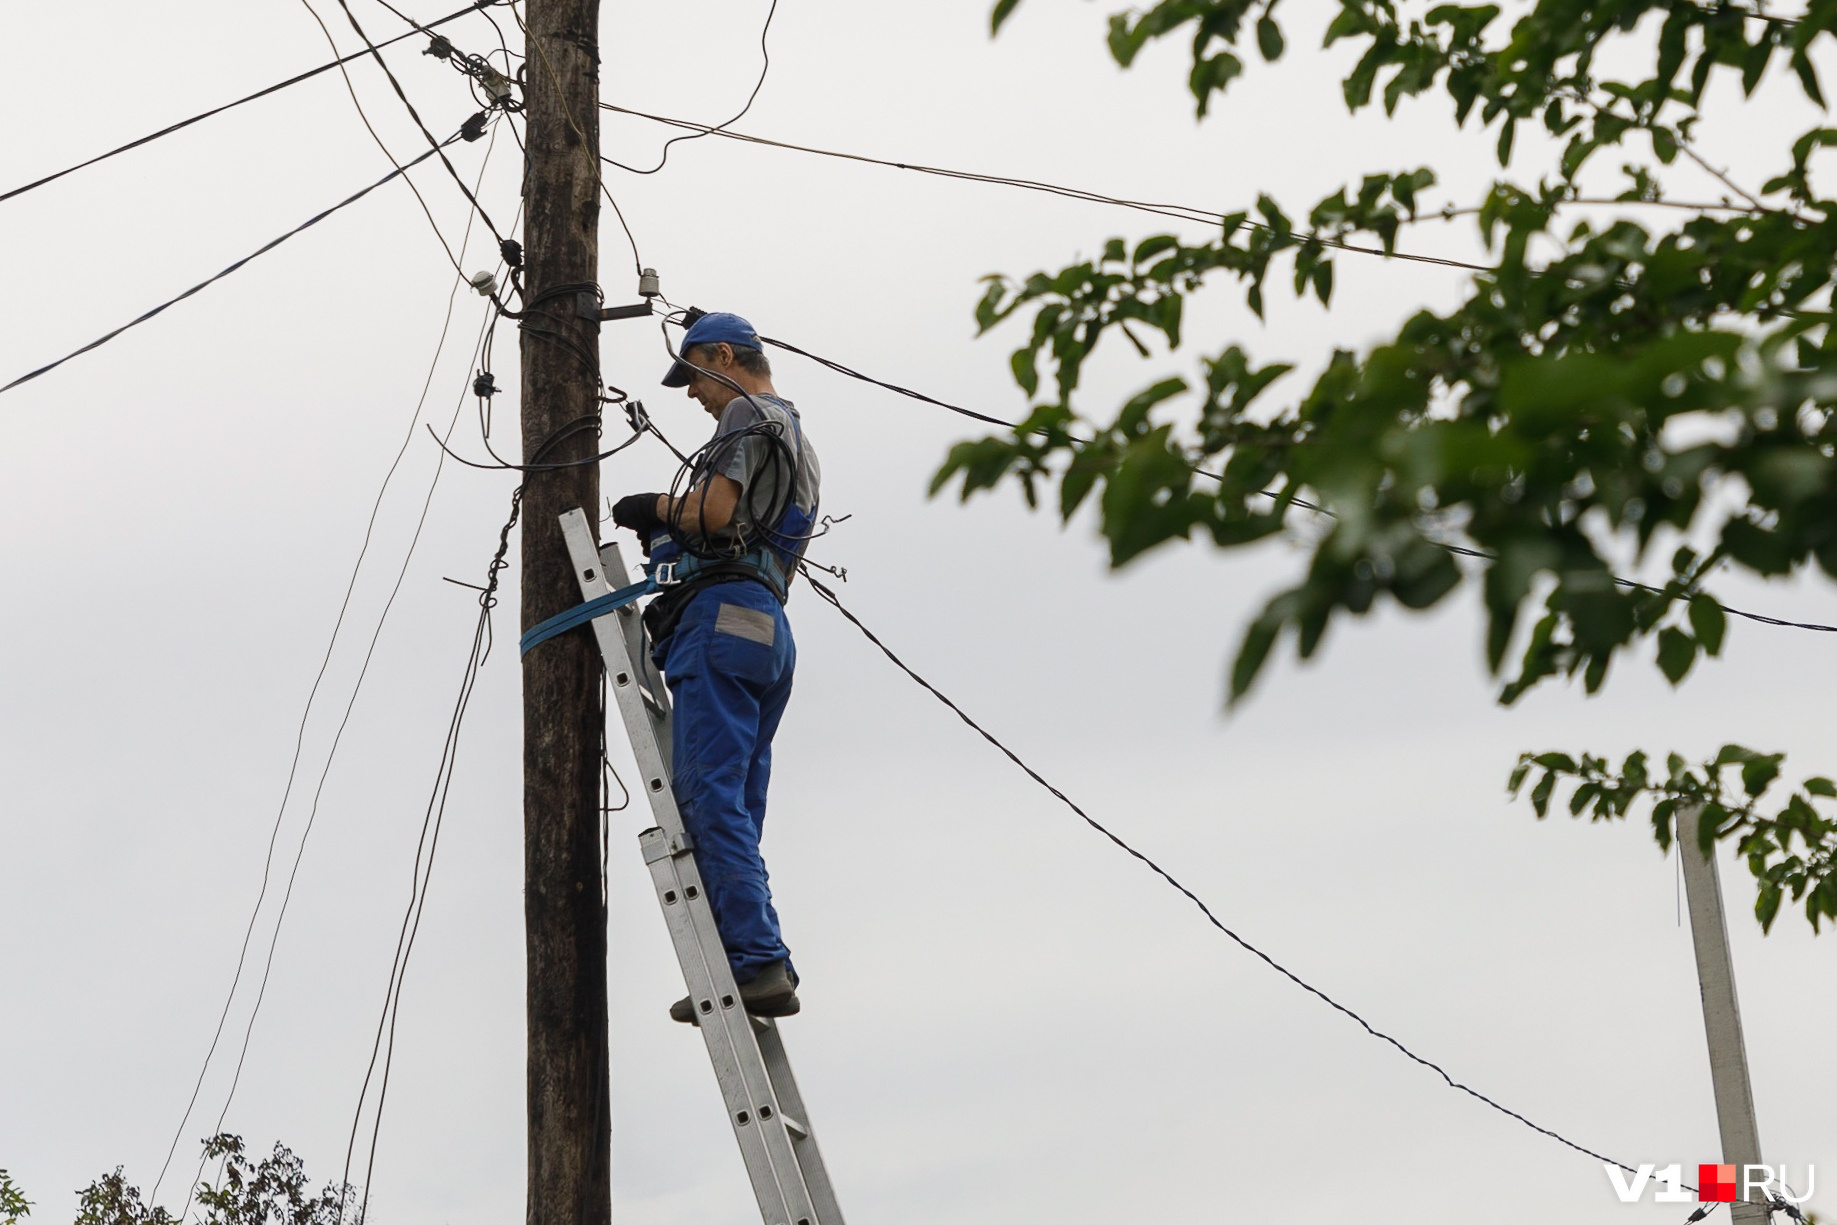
column 711, row 393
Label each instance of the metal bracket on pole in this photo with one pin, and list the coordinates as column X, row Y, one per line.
column 1728, row 1052
column 764, row 1106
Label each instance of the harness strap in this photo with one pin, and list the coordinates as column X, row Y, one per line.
column 580, row 614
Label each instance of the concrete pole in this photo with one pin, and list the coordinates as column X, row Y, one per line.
column 1728, row 1052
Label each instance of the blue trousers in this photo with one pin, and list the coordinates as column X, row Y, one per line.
column 729, row 665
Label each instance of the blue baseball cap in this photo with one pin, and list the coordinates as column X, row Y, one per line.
column 717, row 328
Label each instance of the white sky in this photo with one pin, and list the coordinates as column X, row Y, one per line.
column 1005, row 1018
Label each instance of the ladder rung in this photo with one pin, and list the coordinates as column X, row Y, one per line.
column 793, row 1126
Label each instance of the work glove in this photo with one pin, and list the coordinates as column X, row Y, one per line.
column 638, row 512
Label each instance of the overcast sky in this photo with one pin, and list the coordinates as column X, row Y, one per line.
column 1005, row 1018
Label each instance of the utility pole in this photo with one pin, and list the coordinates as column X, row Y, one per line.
column 570, row 1132
column 1728, row 1052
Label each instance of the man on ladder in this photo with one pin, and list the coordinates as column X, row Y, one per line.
column 724, row 546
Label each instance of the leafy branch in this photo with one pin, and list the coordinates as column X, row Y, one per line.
column 1807, row 874
column 14, row 1206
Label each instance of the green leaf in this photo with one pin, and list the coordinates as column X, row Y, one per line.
column 1026, row 373
column 1767, row 905
column 1004, row 9
column 1708, row 622
column 1252, row 654
column 1269, row 37
column 1821, row 786
column 1758, row 773
column 1540, row 795
column 1676, row 652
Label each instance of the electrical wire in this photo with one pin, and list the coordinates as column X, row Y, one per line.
column 830, row 597
column 719, row 128
column 422, row 876
column 371, row 128
column 433, row 143
column 542, row 57
column 305, row 716
column 218, row 110
column 1461, row 550
column 205, row 284
column 1178, row 211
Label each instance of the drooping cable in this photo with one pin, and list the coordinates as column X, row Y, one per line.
column 719, row 128
column 207, row 283
column 306, row 714
column 218, row 110
column 542, row 57
column 1180, row 212
column 425, row 848
column 830, row 598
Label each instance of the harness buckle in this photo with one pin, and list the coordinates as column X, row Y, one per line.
column 665, row 573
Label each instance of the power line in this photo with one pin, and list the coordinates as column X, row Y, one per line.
column 1180, row 212
column 718, row 129
column 423, row 873
column 369, row 127
column 262, row 250
column 1462, row 550
column 306, row 714
column 260, row 93
column 830, row 597
column 434, row 144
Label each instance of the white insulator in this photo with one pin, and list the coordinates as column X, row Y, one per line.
column 486, row 283
column 648, row 284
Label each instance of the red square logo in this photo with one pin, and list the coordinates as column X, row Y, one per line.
column 1716, row 1184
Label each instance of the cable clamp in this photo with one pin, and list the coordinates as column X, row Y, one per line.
column 474, row 127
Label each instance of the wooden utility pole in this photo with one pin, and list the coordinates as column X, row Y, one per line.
column 570, row 1132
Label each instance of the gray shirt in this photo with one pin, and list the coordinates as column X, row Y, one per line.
column 765, row 471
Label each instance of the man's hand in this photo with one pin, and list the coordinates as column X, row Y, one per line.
column 638, row 512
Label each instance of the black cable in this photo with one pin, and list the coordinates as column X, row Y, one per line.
column 839, row 368
column 422, row 877
column 262, row 250
column 1161, row 872
column 300, row 733
column 260, row 93
column 1180, row 212
column 325, row 772
column 434, row 144
column 719, row 128
column 699, row 465
column 364, row 117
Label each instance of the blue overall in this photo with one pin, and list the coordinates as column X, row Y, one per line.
column 729, row 665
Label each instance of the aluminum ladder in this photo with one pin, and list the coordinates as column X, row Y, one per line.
column 763, row 1105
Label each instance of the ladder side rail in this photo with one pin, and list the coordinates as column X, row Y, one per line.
column 637, row 645
column 791, row 1102
column 771, row 1042
column 745, row 1083
column 751, row 1120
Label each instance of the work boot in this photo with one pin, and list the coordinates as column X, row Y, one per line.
column 770, row 993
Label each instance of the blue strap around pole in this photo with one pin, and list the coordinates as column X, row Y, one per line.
column 580, row 614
